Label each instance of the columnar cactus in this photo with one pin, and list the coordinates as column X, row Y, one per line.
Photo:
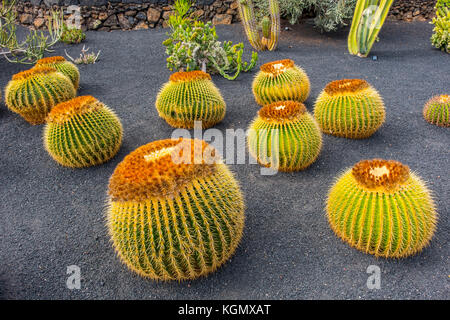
column 284, row 136
column 82, row 132
column 381, row 208
column 62, row 65
column 264, row 36
column 280, row 81
column 437, row 110
column 188, row 97
column 34, row 92
column 174, row 213
column 350, row 109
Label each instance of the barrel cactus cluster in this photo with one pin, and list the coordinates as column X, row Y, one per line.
column 188, row 97
column 172, row 219
column 82, row 132
column 437, row 110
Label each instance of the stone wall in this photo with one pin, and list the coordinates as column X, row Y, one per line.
column 107, row 15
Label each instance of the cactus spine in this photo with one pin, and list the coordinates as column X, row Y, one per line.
column 437, row 110
column 284, row 136
column 62, row 65
column 82, row 132
column 172, row 219
column 34, row 92
column 280, row 80
column 381, row 208
column 264, row 36
column 368, row 19
column 349, row 108
column 188, row 97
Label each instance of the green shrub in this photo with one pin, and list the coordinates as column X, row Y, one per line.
column 72, row 35
column 441, row 36
column 329, row 14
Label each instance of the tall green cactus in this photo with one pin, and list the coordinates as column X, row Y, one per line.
column 367, row 21
column 262, row 36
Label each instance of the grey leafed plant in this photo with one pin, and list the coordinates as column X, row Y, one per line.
column 35, row 44
column 194, row 45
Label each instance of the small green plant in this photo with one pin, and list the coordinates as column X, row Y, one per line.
column 72, row 35
column 437, row 110
column 441, row 36
column 35, row 44
column 264, row 34
column 85, row 57
column 367, row 21
column 193, row 45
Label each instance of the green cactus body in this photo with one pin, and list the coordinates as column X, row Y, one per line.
column 34, row 92
column 349, row 108
column 437, row 110
column 284, row 136
column 247, row 14
column 171, row 219
column 188, row 97
column 380, row 208
column 62, row 65
column 82, row 132
column 280, row 81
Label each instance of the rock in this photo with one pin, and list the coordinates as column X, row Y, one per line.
column 222, row 19
column 416, row 12
column 141, row 16
column 130, row 13
column 234, row 5
column 93, row 24
column 38, row 22
column 26, row 18
column 167, row 14
column 141, row 26
column 111, row 21
column 198, row 13
column 217, row 4
column 153, row 15
column 104, row 29
column 123, row 21
column 103, row 16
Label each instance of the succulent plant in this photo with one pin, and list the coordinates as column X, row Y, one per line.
column 72, row 35
column 288, row 124
column 437, row 110
column 82, row 132
column 280, row 81
column 34, row 92
column 188, row 97
column 349, row 108
column 171, row 219
column 382, row 208
column 62, row 65
column 441, row 31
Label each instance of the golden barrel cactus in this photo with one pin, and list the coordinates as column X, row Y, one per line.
column 280, row 81
column 82, row 132
column 437, row 110
column 62, row 65
column 284, row 136
column 33, row 93
column 349, row 108
column 381, row 208
column 175, row 211
column 188, row 97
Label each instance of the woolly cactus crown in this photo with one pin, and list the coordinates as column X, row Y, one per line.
column 281, row 111
column 76, row 106
column 189, row 76
column 50, row 60
column 346, row 86
column 27, row 74
column 278, row 67
column 150, row 171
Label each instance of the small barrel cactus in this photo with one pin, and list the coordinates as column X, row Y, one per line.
column 382, row 208
column 280, row 81
column 349, row 108
column 82, row 132
column 437, row 110
column 188, row 97
column 62, row 65
column 174, row 213
column 284, row 136
column 34, row 92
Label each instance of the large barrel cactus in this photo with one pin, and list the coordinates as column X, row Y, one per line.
column 280, row 81
column 349, row 108
column 62, row 65
column 284, row 136
column 33, row 93
column 188, row 97
column 381, row 208
column 175, row 210
column 82, row 132
column 437, row 110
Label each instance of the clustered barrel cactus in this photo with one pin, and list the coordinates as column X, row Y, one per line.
column 189, row 97
column 349, row 108
column 171, row 219
column 437, row 110
column 82, row 132
column 381, row 208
